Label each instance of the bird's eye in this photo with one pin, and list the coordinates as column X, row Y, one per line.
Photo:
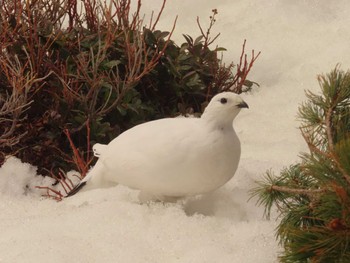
column 223, row 100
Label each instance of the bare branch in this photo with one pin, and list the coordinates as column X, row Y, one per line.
column 207, row 40
column 158, row 16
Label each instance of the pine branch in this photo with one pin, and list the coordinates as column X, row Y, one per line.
column 313, row 197
column 340, row 167
column 333, row 155
column 328, row 122
column 308, row 192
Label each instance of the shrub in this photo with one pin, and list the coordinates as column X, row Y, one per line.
column 70, row 77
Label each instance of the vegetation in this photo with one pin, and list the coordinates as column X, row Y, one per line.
column 73, row 73
column 313, row 196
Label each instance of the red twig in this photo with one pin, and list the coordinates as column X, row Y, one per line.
column 58, row 196
column 72, row 13
column 81, row 164
column 243, row 68
column 158, row 16
column 90, row 13
column 64, row 181
column 136, row 15
column 154, row 61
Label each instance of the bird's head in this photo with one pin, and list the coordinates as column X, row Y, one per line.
column 223, row 108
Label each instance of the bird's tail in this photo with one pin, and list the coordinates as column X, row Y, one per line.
column 94, row 176
column 91, row 179
column 87, row 179
column 76, row 189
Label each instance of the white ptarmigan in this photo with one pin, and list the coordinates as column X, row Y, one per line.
column 173, row 157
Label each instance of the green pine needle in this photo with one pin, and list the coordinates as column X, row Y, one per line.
column 313, row 197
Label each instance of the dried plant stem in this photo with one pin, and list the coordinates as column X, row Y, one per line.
column 81, row 164
column 207, row 40
column 158, row 16
column 243, row 68
column 64, row 181
column 51, row 193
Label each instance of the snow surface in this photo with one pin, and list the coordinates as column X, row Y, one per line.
column 298, row 39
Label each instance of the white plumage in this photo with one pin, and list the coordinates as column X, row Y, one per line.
column 173, row 157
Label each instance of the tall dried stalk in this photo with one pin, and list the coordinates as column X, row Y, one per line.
column 141, row 58
column 20, row 79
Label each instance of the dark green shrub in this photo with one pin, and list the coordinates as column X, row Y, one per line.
column 70, row 78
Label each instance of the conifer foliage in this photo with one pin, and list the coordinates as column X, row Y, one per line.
column 313, row 196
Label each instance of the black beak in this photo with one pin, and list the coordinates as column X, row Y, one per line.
column 243, row 104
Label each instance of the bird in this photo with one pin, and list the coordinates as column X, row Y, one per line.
column 172, row 158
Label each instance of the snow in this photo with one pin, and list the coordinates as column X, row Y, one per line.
column 298, row 39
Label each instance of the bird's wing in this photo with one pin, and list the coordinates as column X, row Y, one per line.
column 157, row 138
column 154, row 146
